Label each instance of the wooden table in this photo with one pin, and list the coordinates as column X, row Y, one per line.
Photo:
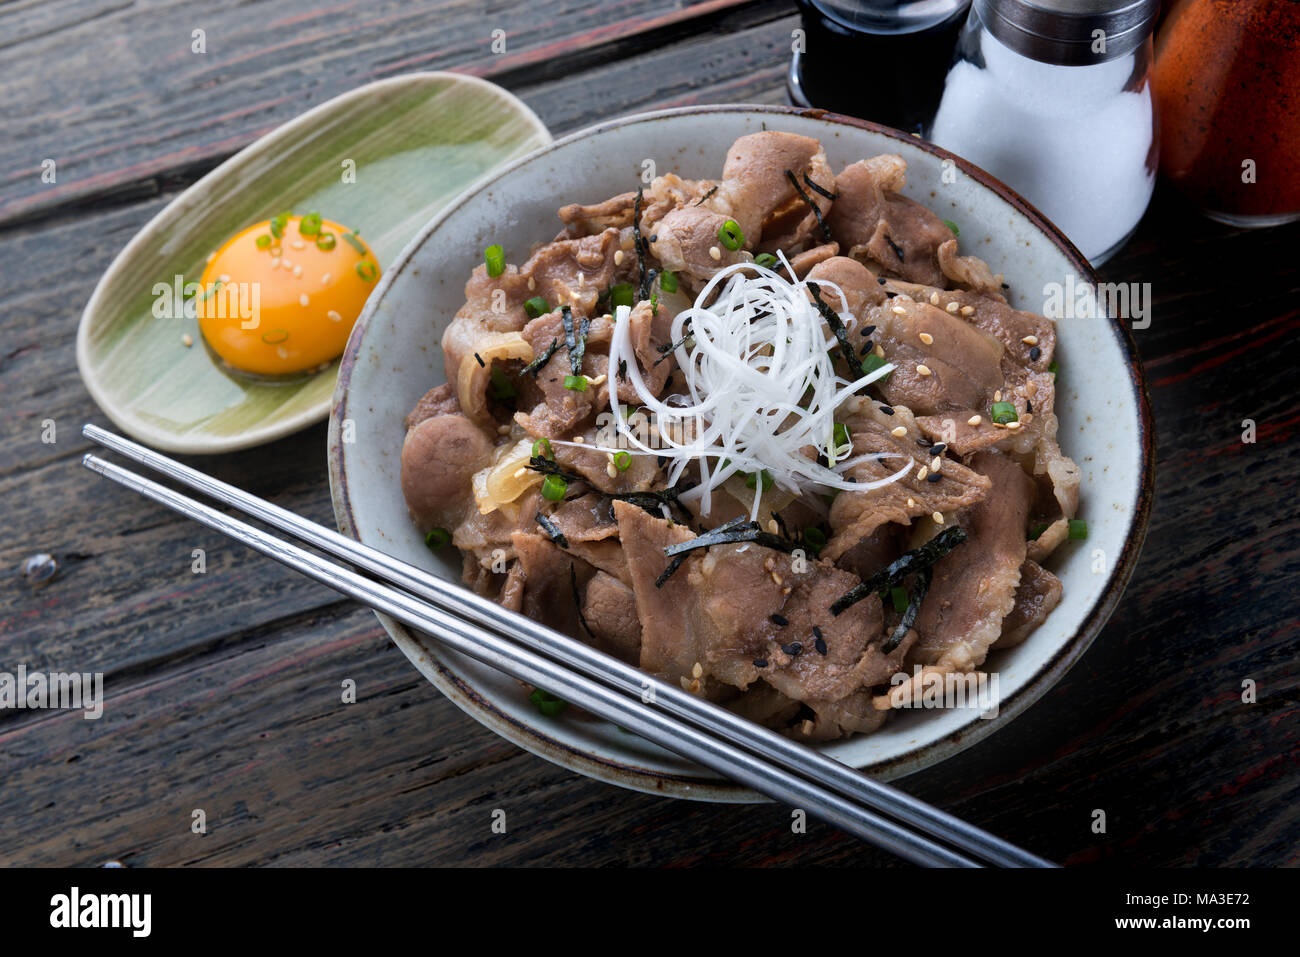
column 223, row 689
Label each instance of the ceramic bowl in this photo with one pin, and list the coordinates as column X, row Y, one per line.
column 394, row 357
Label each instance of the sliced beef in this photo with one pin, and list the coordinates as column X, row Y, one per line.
column 609, row 607
column 857, row 283
column 437, row 401
column 492, row 304
column 1037, row 596
column 615, row 213
column 574, row 272
column 871, row 220
column 974, row 587
column 802, row 262
column 686, row 238
column 549, row 581
column 969, row 272
column 756, row 192
column 439, row 459
column 856, row 515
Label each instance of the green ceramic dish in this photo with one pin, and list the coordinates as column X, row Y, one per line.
column 383, row 159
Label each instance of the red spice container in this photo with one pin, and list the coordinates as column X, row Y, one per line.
column 1227, row 83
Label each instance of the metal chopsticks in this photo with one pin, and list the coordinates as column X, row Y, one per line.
column 697, row 729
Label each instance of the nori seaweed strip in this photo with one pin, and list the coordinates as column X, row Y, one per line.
column 729, row 533
column 575, row 357
column 622, row 369
column 668, row 348
column 570, row 343
column 535, row 366
column 906, row 564
column 826, row 231
column 667, row 573
column 643, row 285
column 837, row 325
column 813, row 186
column 920, row 585
column 711, row 191
column 548, row 467
column 552, row 530
column 895, row 247
column 650, row 501
column 577, row 600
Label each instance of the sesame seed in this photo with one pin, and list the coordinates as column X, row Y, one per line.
column 887, row 409
column 503, row 430
column 817, row 632
column 974, row 420
column 968, row 310
column 1035, row 354
column 779, row 620
column 298, row 244
column 923, row 473
column 923, row 369
column 275, row 262
column 223, row 278
column 303, row 300
column 938, row 518
column 286, row 263
column 777, row 579
column 793, row 648
column 926, row 338
column 879, row 351
column 697, row 670
column 760, row 662
column 686, row 683
column 618, row 257
column 187, row 340
column 938, row 448
column 935, row 463
column 599, row 380
column 1013, row 425
column 578, row 440
column 933, row 477
column 520, row 472
column 297, row 272
column 772, row 526
column 898, row 433
column 807, row 727
column 898, row 310
column 611, row 470
column 1030, row 340
column 911, row 502
column 869, row 330
column 820, row 645
column 997, row 396
column 324, row 280
column 715, row 253
column 953, row 306
column 282, row 352
column 934, row 299
column 333, row 316
column 532, row 283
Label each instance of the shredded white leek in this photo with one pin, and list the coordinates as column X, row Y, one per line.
column 761, row 390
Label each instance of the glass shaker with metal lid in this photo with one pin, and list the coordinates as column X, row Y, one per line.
column 1054, row 97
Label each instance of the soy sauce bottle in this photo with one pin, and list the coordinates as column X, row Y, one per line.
column 881, row 60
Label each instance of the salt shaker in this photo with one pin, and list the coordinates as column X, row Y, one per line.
column 1054, row 98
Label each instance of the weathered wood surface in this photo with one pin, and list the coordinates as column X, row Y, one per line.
column 224, row 688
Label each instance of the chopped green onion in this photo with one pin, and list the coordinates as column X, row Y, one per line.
column 953, row 226
column 495, row 257
column 751, row 480
column 367, row 271
column 731, row 236
column 815, row 539
column 622, row 461
column 275, row 336
column 899, row 596
column 1036, row 532
column 841, row 435
column 873, row 362
column 668, row 281
column 554, row 487
column 1052, row 367
column 437, row 538
column 358, row 245
column 578, row 383
column 263, row 241
column 278, row 224
column 1078, row 528
column 502, row 388
column 537, row 306
column 325, row 242
column 766, row 260
column 309, row 225
column 621, row 295
column 1003, row 412
column 542, row 448
column 546, row 703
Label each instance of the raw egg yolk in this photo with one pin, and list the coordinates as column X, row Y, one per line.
column 282, row 296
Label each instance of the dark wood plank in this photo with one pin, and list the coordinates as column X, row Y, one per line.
column 141, row 106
